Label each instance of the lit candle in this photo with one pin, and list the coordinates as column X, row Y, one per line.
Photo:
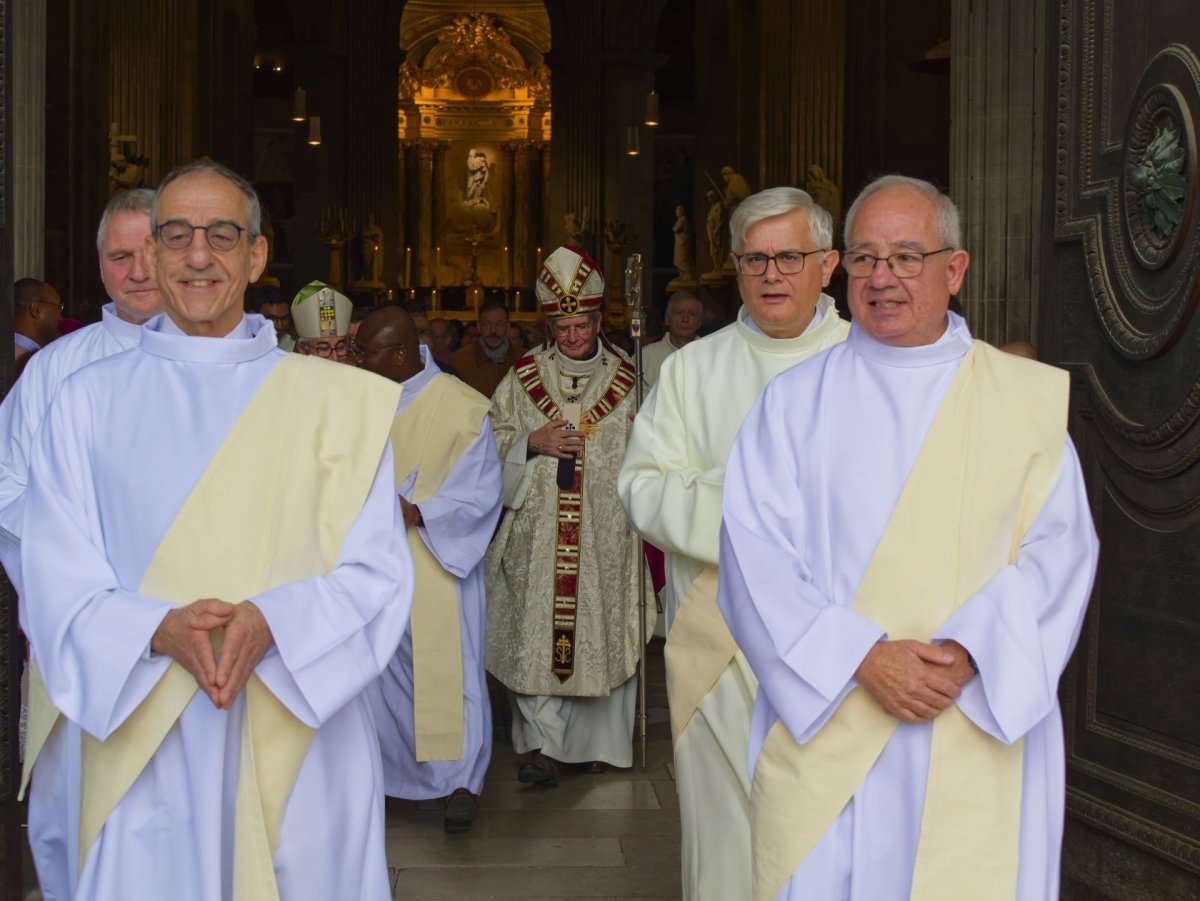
column 504, row 267
column 437, row 267
column 408, row 267
column 537, row 267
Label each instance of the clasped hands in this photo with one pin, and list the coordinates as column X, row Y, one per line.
column 186, row 634
column 912, row 680
column 556, row 439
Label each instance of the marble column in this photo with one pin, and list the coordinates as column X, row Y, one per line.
column 802, row 108
column 523, row 247
column 29, row 139
column 996, row 74
column 439, row 203
column 424, row 213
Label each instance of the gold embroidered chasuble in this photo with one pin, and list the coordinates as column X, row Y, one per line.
column 429, row 435
column 238, row 534
column 984, row 471
column 562, row 572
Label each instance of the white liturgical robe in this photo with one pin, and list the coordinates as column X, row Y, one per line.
column 459, row 521
column 809, row 491
column 121, row 448
column 671, row 485
column 25, row 406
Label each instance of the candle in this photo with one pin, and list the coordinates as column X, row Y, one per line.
column 537, row 267
column 408, row 267
column 437, row 266
column 504, row 267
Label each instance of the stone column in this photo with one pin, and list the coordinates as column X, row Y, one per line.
column 523, row 246
column 29, row 139
column 996, row 134
column 439, row 200
column 802, row 112
column 424, row 214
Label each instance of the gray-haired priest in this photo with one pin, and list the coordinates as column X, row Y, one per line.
column 906, row 556
column 671, row 485
column 562, row 574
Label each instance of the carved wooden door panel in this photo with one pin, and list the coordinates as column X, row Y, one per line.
column 1120, row 285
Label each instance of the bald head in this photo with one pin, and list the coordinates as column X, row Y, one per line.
column 389, row 344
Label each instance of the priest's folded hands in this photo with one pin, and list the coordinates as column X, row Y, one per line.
column 912, row 680
column 187, row 635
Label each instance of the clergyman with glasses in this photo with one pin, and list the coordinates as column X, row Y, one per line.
column 562, row 573
column 905, row 559
column 199, row 664
column 671, row 486
column 322, row 320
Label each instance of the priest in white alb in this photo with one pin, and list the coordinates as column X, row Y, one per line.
column 431, row 704
column 133, row 298
column 906, row 556
column 671, row 486
column 562, row 574
column 197, row 726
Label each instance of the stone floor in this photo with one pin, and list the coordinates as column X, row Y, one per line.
column 599, row 837
column 606, row 836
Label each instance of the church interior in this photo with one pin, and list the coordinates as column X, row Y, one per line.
column 433, row 152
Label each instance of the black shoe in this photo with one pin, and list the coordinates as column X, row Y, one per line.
column 459, row 810
column 594, row 767
column 539, row 770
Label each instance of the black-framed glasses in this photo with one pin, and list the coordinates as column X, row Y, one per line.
column 339, row 350
column 903, row 263
column 788, row 262
column 221, row 236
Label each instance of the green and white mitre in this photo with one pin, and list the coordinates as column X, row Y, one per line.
column 321, row 312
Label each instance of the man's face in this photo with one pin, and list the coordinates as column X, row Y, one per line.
column 336, row 349
column 203, row 288
column 280, row 315
column 123, row 269
column 50, row 307
column 683, row 319
column 440, row 338
column 902, row 312
column 424, row 332
column 493, row 327
column 782, row 305
column 575, row 336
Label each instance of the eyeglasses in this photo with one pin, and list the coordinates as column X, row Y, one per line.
column 340, row 350
column 221, row 236
column 583, row 328
column 787, row 262
column 904, row 264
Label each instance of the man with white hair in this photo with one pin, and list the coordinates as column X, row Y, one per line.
column 906, row 555
column 562, row 573
column 133, row 298
column 682, row 319
column 671, row 486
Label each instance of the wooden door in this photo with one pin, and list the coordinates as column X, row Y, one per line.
column 1119, row 291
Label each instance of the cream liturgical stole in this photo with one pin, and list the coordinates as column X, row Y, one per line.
column 429, row 435
column 237, row 536
column 984, row 471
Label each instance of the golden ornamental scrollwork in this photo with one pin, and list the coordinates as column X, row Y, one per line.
column 473, row 56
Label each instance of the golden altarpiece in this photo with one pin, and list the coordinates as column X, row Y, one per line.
column 474, row 128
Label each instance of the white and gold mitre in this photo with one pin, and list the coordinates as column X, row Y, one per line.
column 321, row 312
